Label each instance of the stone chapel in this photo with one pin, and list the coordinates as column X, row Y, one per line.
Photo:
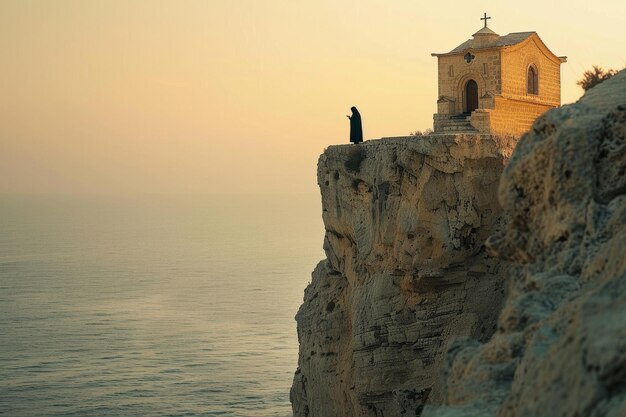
column 496, row 84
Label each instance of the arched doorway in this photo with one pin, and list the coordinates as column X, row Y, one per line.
column 471, row 96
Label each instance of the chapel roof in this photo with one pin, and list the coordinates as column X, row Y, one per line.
column 485, row 31
column 506, row 40
column 486, row 38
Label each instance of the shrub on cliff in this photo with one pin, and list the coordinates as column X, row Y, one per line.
column 593, row 77
column 355, row 157
column 420, row 133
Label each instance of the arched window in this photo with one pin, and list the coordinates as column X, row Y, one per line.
column 533, row 81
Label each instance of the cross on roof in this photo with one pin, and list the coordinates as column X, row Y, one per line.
column 485, row 18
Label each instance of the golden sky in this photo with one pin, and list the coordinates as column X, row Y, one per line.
column 240, row 96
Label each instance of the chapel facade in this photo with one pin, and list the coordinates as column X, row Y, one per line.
column 496, row 84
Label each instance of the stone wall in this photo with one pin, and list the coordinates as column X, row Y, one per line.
column 484, row 69
column 515, row 62
column 481, row 120
column 514, row 117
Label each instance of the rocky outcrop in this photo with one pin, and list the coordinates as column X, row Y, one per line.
column 406, row 272
column 560, row 347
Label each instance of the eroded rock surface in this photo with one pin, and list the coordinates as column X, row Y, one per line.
column 406, row 272
column 560, row 348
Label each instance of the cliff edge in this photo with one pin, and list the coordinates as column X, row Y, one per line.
column 406, row 272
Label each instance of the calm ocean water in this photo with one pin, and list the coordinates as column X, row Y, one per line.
column 152, row 305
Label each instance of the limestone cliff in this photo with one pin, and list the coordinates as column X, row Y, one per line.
column 406, row 272
column 399, row 320
column 560, row 347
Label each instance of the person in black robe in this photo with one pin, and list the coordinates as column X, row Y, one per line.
column 356, row 129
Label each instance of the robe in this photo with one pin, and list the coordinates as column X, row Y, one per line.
column 356, row 129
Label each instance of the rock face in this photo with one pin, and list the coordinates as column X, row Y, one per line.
column 406, row 272
column 399, row 319
column 560, row 347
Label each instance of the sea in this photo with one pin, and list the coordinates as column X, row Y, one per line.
column 152, row 305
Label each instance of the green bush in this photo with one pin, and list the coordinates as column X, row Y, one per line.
column 594, row 77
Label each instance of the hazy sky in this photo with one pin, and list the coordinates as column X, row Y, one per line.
column 240, row 95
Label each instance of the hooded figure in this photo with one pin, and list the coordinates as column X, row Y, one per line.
column 356, row 130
